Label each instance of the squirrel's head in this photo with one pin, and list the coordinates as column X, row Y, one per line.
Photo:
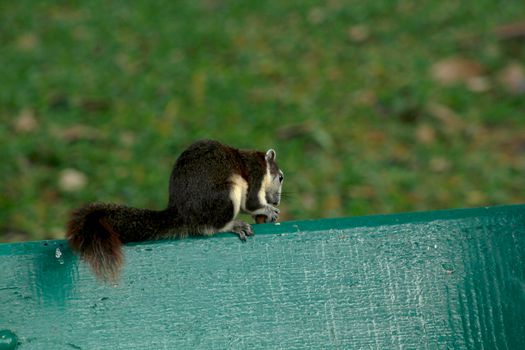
column 274, row 179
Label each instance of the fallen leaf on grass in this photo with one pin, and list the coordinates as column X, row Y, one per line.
column 514, row 145
column 308, row 201
column 25, row 122
column 291, row 131
column 72, row 180
column 365, row 98
column 77, row 132
column 127, row 138
column 439, row 164
column 94, row 105
column 27, row 42
column 454, row 70
column 332, row 203
column 510, row 31
column 425, row 134
column 451, row 121
column 478, row 84
column 475, row 197
column 363, row 191
column 358, row 33
column 512, row 78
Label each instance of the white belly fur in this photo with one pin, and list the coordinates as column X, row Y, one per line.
column 238, row 193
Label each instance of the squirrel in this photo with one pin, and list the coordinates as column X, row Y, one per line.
column 210, row 184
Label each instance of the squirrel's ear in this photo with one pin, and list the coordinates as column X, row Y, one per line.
column 270, row 155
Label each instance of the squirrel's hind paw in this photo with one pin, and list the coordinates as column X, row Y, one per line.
column 242, row 229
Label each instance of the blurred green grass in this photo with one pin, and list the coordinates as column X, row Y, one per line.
column 343, row 90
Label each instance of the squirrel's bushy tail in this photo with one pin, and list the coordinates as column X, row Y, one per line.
column 90, row 234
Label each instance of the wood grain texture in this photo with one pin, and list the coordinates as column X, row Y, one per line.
column 438, row 280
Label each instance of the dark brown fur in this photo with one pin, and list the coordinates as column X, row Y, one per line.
column 99, row 245
column 198, row 201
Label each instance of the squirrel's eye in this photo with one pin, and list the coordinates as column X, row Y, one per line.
column 281, row 178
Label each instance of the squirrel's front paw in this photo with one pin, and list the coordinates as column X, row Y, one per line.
column 271, row 213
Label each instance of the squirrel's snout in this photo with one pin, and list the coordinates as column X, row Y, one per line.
column 274, row 199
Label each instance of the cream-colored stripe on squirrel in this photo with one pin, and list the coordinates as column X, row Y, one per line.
column 209, row 185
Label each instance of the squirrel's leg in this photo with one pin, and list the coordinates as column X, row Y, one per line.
column 228, row 206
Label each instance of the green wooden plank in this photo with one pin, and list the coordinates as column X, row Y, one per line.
column 436, row 280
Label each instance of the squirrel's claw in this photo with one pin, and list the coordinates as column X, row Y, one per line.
column 242, row 229
column 272, row 213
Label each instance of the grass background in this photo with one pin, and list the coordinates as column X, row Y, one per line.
column 106, row 95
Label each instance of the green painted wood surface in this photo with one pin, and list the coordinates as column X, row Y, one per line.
column 437, row 280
